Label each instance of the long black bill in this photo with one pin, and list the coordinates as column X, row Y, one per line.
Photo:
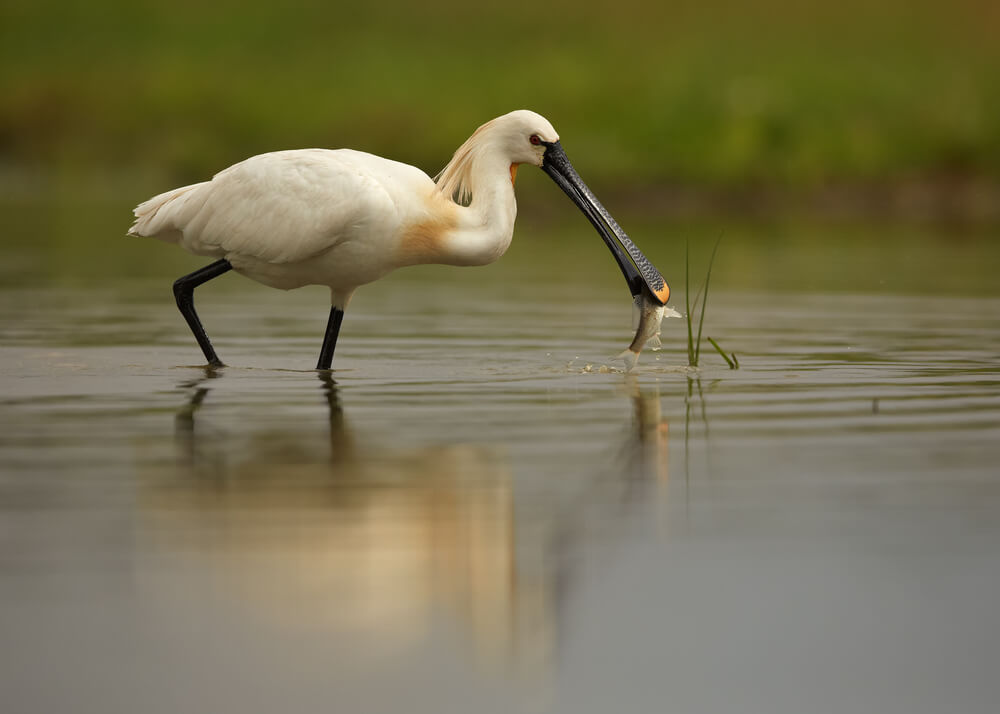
column 638, row 271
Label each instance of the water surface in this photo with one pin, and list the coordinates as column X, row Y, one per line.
column 477, row 511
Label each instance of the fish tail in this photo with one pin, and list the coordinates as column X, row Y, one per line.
column 630, row 358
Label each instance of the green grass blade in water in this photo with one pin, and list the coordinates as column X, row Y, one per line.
column 730, row 360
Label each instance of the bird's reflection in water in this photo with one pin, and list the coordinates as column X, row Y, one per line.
column 309, row 524
column 313, row 526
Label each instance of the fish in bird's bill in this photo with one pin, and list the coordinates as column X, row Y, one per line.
column 650, row 314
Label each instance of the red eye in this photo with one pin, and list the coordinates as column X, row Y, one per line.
column 535, row 139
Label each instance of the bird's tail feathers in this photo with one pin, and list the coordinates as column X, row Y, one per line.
column 162, row 216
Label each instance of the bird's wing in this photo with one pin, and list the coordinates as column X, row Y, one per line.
column 288, row 206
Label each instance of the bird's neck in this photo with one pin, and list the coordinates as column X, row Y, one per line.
column 485, row 227
column 473, row 234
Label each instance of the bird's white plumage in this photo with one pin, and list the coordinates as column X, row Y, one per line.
column 344, row 218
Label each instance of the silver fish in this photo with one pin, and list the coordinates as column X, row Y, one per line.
column 651, row 314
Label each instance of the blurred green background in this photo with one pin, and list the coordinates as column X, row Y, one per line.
column 723, row 112
column 773, row 90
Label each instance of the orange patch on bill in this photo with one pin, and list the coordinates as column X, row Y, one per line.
column 663, row 294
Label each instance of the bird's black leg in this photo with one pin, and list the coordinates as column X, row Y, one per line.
column 184, row 293
column 330, row 341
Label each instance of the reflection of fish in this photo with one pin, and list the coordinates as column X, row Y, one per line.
column 651, row 314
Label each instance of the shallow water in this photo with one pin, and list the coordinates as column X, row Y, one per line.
column 479, row 512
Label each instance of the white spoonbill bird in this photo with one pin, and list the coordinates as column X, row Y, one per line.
column 344, row 218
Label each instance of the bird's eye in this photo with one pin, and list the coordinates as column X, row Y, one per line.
column 535, row 139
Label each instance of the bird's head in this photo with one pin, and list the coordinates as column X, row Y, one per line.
column 533, row 136
column 524, row 136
